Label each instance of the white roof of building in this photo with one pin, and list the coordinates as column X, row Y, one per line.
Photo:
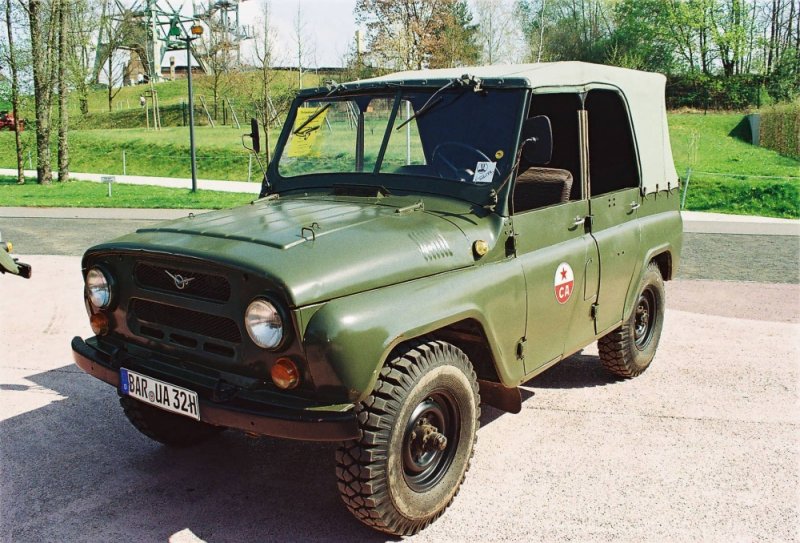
column 643, row 91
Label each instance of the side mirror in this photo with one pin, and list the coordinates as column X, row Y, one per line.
column 254, row 135
column 537, row 148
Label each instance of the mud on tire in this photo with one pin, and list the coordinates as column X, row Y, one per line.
column 419, row 430
column 167, row 428
column 628, row 350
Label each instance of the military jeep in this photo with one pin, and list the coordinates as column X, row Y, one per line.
column 423, row 243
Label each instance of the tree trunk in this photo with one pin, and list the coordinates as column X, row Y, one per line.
column 63, row 117
column 41, row 91
column 14, row 95
column 110, row 77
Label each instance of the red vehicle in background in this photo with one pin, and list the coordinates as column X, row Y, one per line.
column 7, row 121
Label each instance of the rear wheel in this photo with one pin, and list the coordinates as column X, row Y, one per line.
column 167, row 428
column 628, row 350
column 419, row 429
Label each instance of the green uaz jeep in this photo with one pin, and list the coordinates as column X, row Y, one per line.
column 424, row 242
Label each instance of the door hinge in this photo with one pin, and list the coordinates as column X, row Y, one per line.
column 521, row 349
column 593, row 311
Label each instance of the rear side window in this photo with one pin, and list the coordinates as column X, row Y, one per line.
column 613, row 161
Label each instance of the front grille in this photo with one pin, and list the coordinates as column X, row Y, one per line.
column 196, row 284
column 187, row 320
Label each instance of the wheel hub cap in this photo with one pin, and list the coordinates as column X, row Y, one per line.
column 430, row 441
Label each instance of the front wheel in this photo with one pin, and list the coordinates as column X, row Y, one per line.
column 418, row 433
column 628, row 350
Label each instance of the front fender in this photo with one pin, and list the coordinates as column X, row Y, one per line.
column 348, row 339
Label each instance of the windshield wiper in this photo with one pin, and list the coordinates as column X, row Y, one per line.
column 314, row 116
column 465, row 80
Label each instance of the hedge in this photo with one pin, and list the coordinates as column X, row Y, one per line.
column 780, row 129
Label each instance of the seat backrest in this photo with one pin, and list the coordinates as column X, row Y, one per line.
column 541, row 187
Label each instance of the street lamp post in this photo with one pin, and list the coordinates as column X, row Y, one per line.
column 197, row 31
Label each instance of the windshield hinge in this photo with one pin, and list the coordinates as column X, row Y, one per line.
column 492, row 203
column 419, row 206
column 267, row 198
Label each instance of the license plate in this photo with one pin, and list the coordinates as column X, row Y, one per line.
column 159, row 394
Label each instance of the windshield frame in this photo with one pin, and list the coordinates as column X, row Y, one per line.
column 396, row 183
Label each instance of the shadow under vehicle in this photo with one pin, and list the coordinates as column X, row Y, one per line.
column 424, row 242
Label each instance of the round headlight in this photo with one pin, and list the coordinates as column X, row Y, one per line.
column 264, row 324
column 98, row 287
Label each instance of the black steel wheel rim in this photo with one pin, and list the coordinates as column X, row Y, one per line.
column 644, row 319
column 424, row 464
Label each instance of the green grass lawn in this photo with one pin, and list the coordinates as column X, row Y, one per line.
column 163, row 153
column 727, row 172
column 88, row 194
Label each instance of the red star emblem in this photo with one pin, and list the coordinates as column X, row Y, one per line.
column 563, row 273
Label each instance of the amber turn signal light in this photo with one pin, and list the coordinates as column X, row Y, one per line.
column 99, row 324
column 285, row 374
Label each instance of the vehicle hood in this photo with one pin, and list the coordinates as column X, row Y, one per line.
column 313, row 249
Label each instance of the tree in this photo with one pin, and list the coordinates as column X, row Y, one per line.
column 11, row 58
column 456, row 39
column 499, row 36
column 265, row 55
column 63, row 115
column 404, row 34
column 301, row 41
column 566, row 29
column 42, row 32
column 641, row 39
column 112, row 32
column 83, row 20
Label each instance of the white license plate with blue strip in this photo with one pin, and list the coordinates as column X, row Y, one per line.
column 159, row 394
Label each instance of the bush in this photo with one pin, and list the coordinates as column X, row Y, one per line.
column 780, row 129
column 700, row 91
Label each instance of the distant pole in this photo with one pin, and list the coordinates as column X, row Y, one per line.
column 191, row 111
column 124, row 165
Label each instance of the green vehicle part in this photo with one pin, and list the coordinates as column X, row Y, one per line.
column 424, row 242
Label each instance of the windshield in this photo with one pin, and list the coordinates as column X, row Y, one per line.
column 456, row 134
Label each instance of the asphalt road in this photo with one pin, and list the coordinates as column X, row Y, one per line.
column 739, row 257
column 704, row 445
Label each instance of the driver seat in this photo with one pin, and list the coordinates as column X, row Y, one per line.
column 541, row 187
column 535, row 186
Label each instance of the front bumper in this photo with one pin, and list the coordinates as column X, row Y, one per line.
column 256, row 417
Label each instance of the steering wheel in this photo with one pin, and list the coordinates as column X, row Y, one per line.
column 449, row 156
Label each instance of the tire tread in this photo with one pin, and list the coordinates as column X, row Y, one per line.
column 359, row 464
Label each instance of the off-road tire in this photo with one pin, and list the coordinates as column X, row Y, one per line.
column 373, row 473
column 167, row 428
column 628, row 350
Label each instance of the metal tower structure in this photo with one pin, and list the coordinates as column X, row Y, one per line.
column 226, row 32
column 149, row 28
column 145, row 28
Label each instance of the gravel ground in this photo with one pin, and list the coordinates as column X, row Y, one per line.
column 703, row 446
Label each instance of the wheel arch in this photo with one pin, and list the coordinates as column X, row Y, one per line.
column 348, row 340
column 662, row 256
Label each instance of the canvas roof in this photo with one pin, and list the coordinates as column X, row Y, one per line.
column 643, row 91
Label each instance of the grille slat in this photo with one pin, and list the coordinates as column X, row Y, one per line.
column 197, row 284
column 187, row 320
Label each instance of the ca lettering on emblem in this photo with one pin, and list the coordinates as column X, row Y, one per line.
column 564, row 282
column 180, row 281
